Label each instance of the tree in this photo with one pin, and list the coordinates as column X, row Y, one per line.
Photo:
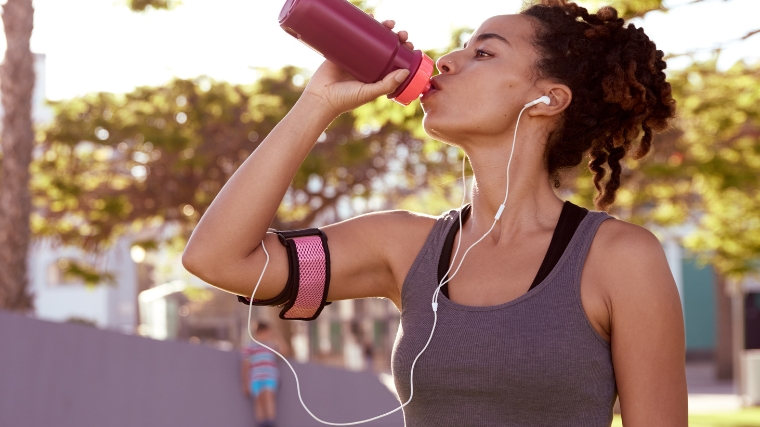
column 159, row 155
column 16, row 83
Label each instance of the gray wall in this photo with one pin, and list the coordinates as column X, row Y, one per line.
column 65, row 375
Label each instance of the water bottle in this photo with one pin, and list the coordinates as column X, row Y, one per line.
column 354, row 41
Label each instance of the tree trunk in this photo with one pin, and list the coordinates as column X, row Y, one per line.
column 724, row 359
column 16, row 84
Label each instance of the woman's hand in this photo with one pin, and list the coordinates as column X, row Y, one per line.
column 341, row 92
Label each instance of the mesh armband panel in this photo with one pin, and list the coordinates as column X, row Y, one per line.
column 312, row 275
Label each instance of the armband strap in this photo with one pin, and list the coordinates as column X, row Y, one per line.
column 279, row 300
column 308, row 275
column 305, row 292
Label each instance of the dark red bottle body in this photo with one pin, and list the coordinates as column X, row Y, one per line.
column 357, row 43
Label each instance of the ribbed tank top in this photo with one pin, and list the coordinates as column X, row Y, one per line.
column 533, row 361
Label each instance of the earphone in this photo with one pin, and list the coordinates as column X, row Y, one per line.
column 543, row 100
column 434, row 303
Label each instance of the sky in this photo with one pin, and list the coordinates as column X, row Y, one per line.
column 100, row 45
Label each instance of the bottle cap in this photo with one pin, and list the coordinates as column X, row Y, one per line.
column 419, row 84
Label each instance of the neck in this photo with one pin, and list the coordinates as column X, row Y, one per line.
column 531, row 204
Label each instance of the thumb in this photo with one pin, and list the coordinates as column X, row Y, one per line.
column 390, row 82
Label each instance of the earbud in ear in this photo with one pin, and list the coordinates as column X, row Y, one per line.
column 543, row 100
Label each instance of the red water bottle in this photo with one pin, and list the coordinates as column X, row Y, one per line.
column 357, row 43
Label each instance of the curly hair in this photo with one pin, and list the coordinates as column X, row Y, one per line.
column 619, row 90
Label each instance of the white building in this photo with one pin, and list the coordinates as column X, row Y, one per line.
column 107, row 305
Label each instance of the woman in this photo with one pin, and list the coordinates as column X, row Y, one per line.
column 557, row 310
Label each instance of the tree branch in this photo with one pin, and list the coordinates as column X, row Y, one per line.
column 716, row 48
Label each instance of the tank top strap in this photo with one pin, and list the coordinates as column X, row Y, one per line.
column 429, row 254
column 578, row 250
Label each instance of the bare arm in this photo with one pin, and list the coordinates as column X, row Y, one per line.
column 230, row 232
column 224, row 249
column 648, row 343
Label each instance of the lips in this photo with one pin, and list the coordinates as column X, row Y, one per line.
column 429, row 93
column 434, row 88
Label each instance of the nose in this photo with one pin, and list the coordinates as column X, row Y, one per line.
column 444, row 64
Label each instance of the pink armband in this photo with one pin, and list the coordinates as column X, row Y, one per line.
column 305, row 293
column 309, row 260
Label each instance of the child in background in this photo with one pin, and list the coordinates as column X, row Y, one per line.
column 261, row 375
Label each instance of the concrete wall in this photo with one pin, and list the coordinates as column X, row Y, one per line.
column 68, row 375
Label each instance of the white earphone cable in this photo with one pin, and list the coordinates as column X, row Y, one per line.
column 435, row 294
column 496, row 218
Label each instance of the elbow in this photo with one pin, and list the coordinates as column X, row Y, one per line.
column 205, row 268
column 192, row 262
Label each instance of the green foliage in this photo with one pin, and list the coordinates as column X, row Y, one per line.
column 721, row 146
column 704, row 171
column 365, row 5
column 159, row 155
column 74, row 270
column 142, row 5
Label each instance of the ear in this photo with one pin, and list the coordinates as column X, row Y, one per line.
column 560, row 96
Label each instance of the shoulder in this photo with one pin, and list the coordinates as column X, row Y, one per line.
column 625, row 239
column 627, row 246
column 629, row 262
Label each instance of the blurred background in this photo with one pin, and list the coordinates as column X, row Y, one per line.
column 142, row 109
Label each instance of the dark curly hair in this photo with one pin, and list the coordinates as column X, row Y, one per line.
column 616, row 76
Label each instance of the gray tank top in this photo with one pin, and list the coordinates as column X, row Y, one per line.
column 533, row 361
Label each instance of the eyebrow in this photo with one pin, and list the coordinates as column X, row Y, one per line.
column 486, row 36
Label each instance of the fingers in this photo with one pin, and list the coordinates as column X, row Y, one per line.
column 386, row 85
column 402, row 35
column 390, row 82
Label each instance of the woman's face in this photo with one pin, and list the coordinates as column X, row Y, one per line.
column 483, row 86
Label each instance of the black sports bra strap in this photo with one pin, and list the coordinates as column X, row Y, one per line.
column 569, row 220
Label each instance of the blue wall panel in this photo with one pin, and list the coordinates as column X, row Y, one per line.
column 699, row 305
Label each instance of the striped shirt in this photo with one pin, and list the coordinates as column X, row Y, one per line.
column 262, row 362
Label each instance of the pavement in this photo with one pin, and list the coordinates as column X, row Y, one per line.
column 707, row 394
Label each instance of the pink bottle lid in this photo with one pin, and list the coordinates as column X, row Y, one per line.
column 418, row 85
